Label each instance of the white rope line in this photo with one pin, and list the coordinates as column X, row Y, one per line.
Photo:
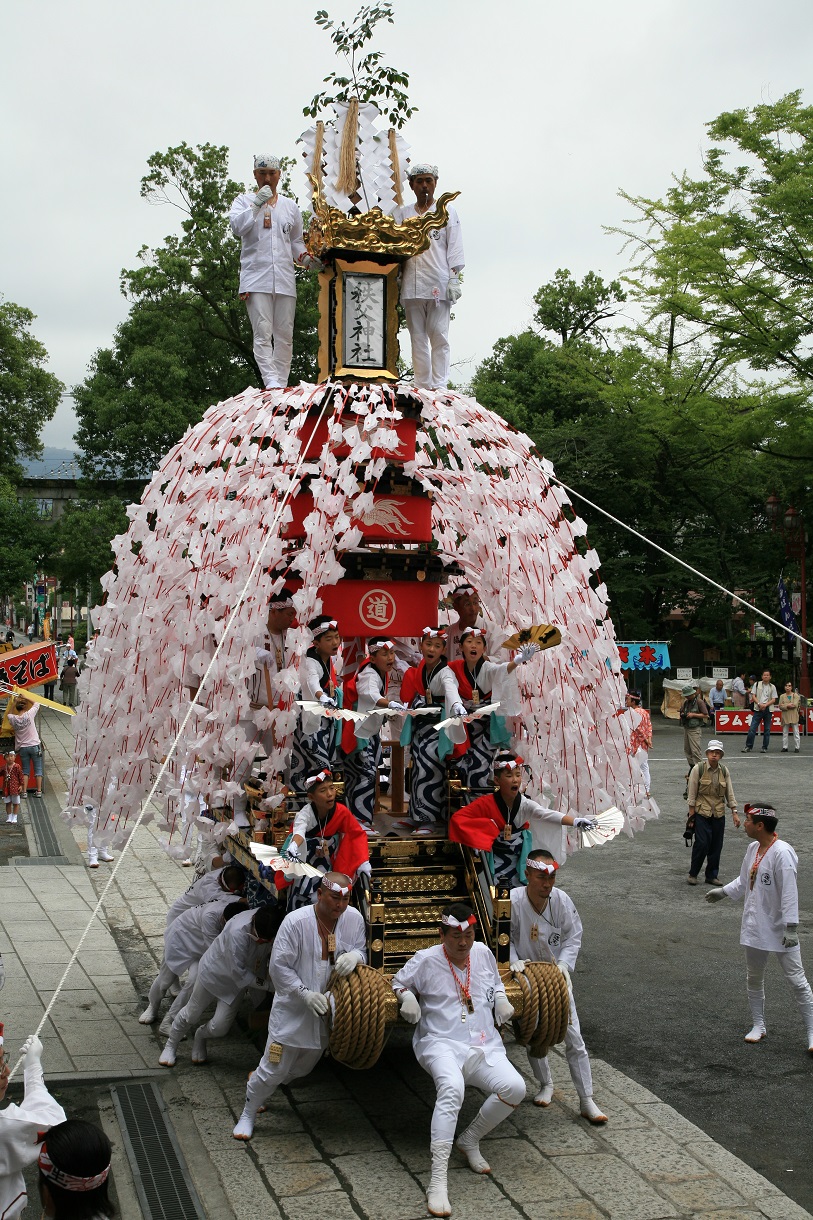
column 255, row 567
column 749, row 605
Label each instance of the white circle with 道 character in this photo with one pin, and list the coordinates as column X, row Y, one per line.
column 377, row 609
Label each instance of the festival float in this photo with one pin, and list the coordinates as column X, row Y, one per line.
column 371, row 499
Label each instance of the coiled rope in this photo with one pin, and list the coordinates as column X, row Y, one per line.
column 365, row 1005
column 545, row 1008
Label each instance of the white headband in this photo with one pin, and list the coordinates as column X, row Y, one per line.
column 542, row 866
column 330, row 624
column 371, row 648
column 507, row 764
column 321, row 777
column 266, row 161
column 451, row 922
column 480, row 631
column 335, row 887
column 433, row 633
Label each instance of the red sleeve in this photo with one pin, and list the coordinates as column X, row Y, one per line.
column 458, row 668
column 476, row 825
column 411, row 684
column 353, row 849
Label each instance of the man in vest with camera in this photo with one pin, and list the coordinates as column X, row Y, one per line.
column 710, row 790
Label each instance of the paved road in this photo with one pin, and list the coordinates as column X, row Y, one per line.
column 660, row 983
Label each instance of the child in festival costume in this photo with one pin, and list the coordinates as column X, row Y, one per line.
column 508, row 824
column 453, row 994
column 432, row 683
column 365, row 691
column 23, row 1127
column 315, row 736
column 483, row 681
column 545, row 927
column 327, row 835
column 770, row 917
column 11, row 781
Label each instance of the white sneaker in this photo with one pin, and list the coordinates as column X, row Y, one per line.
column 756, row 1034
column 168, row 1056
column 589, row 1110
column 245, row 1127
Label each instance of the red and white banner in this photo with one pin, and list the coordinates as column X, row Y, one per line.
column 739, row 721
column 30, row 665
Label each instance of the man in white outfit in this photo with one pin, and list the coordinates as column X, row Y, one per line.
column 312, row 942
column 269, row 226
column 234, row 962
column 430, row 284
column 221, row 885
column 770, row 917
column 545, row 927
column 453, row 993
column 23, row 1127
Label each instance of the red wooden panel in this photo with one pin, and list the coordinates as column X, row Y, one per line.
column 399, row 607
column 391, row 519
column 314, row 442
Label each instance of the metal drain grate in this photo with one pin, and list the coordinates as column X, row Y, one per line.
column 46, row 840
column 161, row 1178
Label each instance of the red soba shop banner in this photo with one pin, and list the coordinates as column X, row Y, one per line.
column 29, row 666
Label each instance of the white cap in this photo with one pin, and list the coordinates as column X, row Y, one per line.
column 714, row 744
column 422, row 167
column 266, row 161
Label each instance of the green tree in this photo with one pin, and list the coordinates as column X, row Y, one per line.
column 29, row 394
column 187, row 341
column 26, row 541
column 82, row 540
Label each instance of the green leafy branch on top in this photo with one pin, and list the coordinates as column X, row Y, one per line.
column 367, row 79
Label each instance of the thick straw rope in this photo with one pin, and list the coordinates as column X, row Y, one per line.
column 395, row 162
column 255, row 567
column 545, row 1010
column 362, row 1000
column 347, row 179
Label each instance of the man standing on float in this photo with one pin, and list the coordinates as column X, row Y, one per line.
column 430, row 284
column 269, row 226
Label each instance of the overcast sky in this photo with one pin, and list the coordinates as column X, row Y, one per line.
column 537, row 111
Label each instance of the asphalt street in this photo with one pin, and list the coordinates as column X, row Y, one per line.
column 660, row 983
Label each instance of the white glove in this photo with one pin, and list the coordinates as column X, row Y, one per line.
column 259, row 199
column 326, row 700
column 291, row 850
column 525, row 653
column 31, row 1050
column 410, row 1008
column 565, row 969
column 503, row 1009
column 364, row 869
column 584, row 823
column 715, row 896
column 458, row 709
column 395, row 706
column 346, row 962
column 310, row 263
column 454, row 290
column 791, row 938
column 517, row 967
column 317, row 1002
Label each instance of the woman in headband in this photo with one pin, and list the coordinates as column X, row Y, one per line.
column 361, row 752
column 430, row 684
column 74, row 1165
column 453, row 994
column 483, row 681
column 316, row 737
column 545, row 927
column 327, row 835
column 506, row 824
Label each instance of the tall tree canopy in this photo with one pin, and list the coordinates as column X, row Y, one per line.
column 186, row 341
column 29, row 394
